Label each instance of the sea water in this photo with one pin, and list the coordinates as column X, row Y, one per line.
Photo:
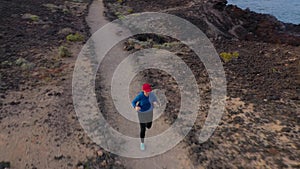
column 284, row 10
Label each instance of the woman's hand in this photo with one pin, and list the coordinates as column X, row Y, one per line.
column 137, row 108
column 156, row 104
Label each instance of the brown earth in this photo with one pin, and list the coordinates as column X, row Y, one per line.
column 260, row 127
column 39, row 127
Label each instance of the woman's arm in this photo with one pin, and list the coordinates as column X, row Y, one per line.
column 135, row 101
column 154, row 100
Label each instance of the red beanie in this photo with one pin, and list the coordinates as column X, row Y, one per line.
column 146, row 87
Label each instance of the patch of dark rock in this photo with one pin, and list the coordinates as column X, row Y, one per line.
column 249, row 125
column 295, row 166
column 220, row 5
column 199, row 158
column 227, row 132
column 105, row 161
column 234, row 129
column 57, row 94
column 204, row 146
column 234, row 112
column 14, row 103
column 292, row 158
column 253, row 158
column 286, row 129
column 4, row 165
column 156, row 38
column 59, row 157
column 273, row 97
column 238, row 120
column 217, row 163
column 32, row 36
column 281, row 164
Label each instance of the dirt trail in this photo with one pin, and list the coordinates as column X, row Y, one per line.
column 175, row 158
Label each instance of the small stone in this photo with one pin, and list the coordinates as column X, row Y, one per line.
column 14, row 102
column 99, row 153
column 80, row 167
column 65, row 31
column 234, row 112
column 25, row 124
column 118, row 163
column 273, row 97
column 103, row 163
column 292, row 158
column 52, row 7
column 286, row 129
column 26, row 16
column 46, row 26
column 136, row 46
column 64, row 52
column 20, row 61
column 30, row 16
column 59, row 157
column 238, row 120
column 27, row 66
column 57, row 94
column 264, row 120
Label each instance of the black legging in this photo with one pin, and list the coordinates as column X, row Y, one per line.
column 145, row 122
column 143, row 127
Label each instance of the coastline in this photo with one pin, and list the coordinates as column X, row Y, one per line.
column 286, row 13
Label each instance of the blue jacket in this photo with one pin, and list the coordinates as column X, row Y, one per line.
column 144, row 102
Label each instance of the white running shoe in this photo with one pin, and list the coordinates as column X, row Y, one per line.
column 142, row 146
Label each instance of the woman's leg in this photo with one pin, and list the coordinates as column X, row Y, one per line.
column 143, row 131
column 149, row 124
column 149, row 118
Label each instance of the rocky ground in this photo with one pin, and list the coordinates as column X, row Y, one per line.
column 39, row 45
column 260, row 128
column 39, row 129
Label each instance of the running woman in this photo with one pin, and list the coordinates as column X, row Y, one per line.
column 143, row 104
